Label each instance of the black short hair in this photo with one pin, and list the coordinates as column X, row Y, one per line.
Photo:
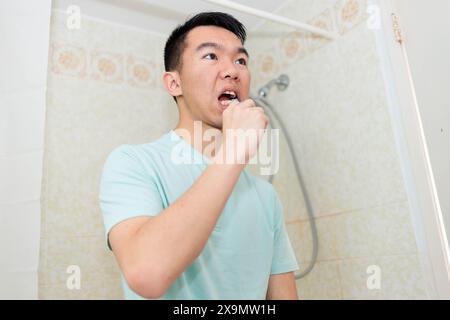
column 175, row 44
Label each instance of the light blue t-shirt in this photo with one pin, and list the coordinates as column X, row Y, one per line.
column 248, row 243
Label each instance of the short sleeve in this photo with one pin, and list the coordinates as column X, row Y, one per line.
column 283, row 255
column 127, row 189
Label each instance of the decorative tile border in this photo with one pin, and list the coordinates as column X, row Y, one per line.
column 341, row 18
column 294, row 46
column 349, row 14
column 115, row 68
column 103, row 66
column 106, row 66
column 140, row 72
column 267, row 63
column 68, row 60
column 325, row 21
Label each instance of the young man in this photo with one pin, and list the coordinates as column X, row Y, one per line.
column 205, row 229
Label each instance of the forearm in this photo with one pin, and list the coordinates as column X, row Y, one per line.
column 168, row 243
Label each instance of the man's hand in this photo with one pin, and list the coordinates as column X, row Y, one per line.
column 243, row 127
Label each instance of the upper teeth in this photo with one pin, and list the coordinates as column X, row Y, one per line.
column 231, row 93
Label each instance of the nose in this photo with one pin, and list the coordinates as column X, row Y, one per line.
column 230, row 71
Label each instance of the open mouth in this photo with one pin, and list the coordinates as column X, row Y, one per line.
column 226, row 97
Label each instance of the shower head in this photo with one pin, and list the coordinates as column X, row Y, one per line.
column 282, row 82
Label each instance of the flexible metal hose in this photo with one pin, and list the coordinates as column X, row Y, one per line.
column 315, row 240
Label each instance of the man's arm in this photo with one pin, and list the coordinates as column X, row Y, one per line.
column 282, row 287
column 153, row 251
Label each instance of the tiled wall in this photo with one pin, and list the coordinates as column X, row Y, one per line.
column 337, row 113
column 104, row 90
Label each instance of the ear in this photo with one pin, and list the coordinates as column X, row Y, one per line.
column 172, row 83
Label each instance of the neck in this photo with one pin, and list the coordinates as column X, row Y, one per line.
column 203, row 137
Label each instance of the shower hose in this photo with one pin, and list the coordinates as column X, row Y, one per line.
column 273, row 115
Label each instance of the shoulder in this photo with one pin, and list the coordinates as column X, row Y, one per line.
column 137, row 157
column 139, row 151
column 122, row 156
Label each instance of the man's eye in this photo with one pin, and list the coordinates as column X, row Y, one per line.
column 244, row 62
column 211, row 54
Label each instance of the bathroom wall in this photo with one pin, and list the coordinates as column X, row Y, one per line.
column 337, row 113
column 104, row 89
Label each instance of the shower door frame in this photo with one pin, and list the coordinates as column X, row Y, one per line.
column 425, row 208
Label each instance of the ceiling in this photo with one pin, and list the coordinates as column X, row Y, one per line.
column 161, row 16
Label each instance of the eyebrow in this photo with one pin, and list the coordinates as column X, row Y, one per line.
column 219, row 47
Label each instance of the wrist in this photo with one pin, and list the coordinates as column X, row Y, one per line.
column 228, row 158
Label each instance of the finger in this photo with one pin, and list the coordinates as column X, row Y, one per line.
column 259, row 109
column 249, row 103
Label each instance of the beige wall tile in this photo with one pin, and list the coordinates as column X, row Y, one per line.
column 88, row 253
column 375, row 232
column 109, row 289
column 321, row 283
column 301, row 239
column 401, row 278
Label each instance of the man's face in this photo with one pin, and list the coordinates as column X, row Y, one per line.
column 213, row 61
